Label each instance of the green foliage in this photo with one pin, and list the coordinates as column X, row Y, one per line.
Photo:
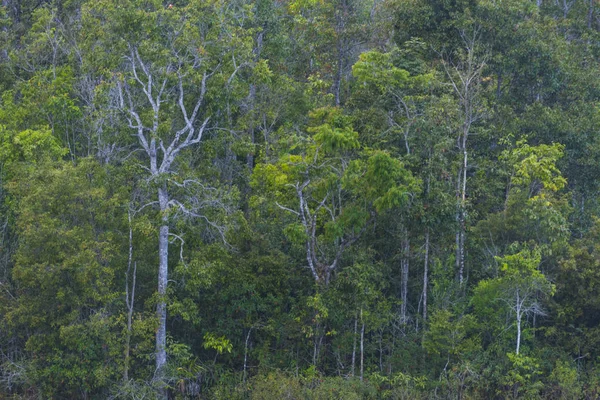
column 523, row 377
column 565, row 381
column 64, row 276
column 28, row 146
column 451, row 336
column 517, row 291
column 535, row 166
column 220, row 344
column 332, row 131
column 327, row 198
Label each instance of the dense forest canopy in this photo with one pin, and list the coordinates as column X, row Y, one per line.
column 300, row 199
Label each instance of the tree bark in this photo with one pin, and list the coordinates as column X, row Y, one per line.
column 425, row 275
column 354, row 346
column 341, row 49
column 362, row 347
column 246, row 355
column 404, row 266
column 519, row 316
column 337, row 84
column 460, row 248
column 129, row 301
column 465, row 78
column 251, row 103
column 163, row 268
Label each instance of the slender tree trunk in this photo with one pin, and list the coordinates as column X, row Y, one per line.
column 341, row 50
column 337, row 84
column 519, row 316
column 129, row 301
column 246, row 354
column 14, row 8
column 466, row 80
column 362, row 347
column 318, row 341
column 381, row 350
column 404, row 266
column 460, row 222
column 461, row 210
column 354, row 345
column 373, row 10
column 251, row 102
column 163, row 268
column 425, row 275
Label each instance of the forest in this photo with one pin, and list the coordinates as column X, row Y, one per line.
column 299, row 199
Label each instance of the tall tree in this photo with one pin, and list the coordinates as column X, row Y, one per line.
column 176, row 63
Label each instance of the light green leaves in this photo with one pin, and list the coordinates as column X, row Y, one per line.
column 382, row 180
column 536, row 165
column 29, row 146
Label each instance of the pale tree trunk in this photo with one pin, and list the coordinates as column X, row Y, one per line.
column 404, row 272
column 321, row 269
column 317, row 342
column 161, row 155
column 337, row 85
column 461, row 203
column 251, row 103
column 129, row 301
column 246, row 355
column 465, row 78
column 519, row 316
column 425, row 275
column 362, row 346
column 163, row 269
column 130, row 298
column 14, row 7
column 373, row 10
column 354, row 345
column 342, row 49
column 250, row 155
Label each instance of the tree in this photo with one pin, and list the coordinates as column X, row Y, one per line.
column 64, row 309
column 520, row 287
column 465, row 78
column 331, row 34
column 175, row 64
column 326, row 187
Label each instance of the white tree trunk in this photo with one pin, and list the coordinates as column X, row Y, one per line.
column 354, row 346
column 426, row 275
column 465, row 77
column 362, row 347
column 163, row 269
column 404, row 273
column 129, row 301
column 519, row 316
